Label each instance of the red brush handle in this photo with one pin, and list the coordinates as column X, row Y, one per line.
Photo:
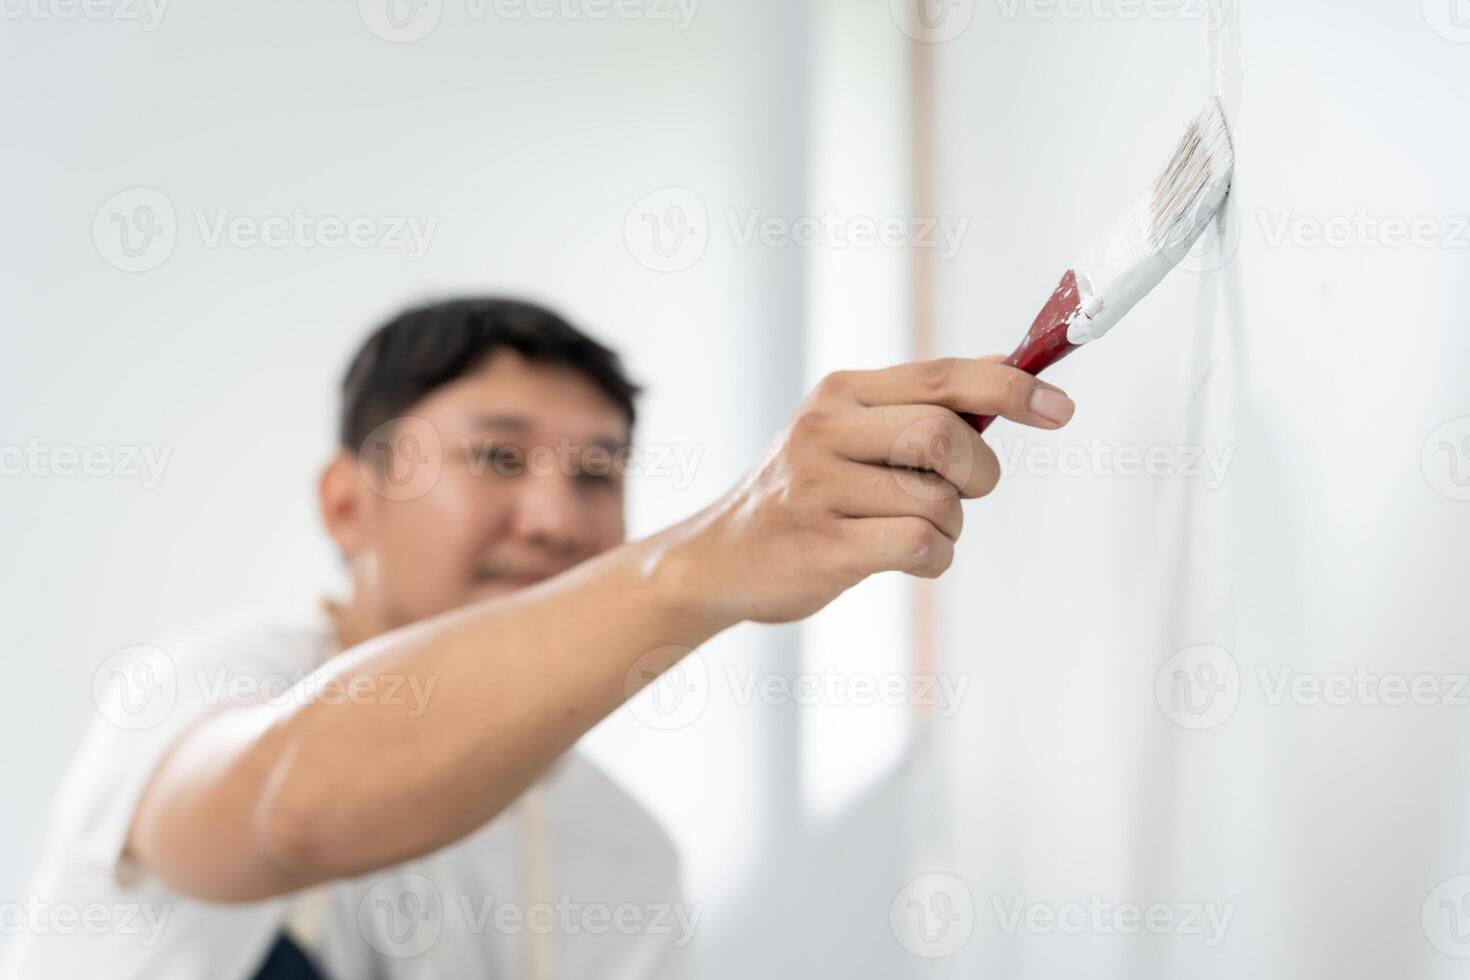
column 1046, row 342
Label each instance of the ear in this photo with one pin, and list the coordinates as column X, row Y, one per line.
column 343, row 496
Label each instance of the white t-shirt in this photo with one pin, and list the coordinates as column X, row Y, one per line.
column 599, row 877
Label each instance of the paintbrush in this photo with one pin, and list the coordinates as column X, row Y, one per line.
column 1143, row 247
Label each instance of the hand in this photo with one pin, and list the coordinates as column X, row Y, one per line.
column 868, row 477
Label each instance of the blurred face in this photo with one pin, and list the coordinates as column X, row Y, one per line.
column 494, row 482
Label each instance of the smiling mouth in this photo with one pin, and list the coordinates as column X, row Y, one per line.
column 513, row 579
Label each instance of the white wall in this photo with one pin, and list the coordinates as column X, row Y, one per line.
column 1336, row 542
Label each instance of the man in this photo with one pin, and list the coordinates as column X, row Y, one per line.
column 366, row 819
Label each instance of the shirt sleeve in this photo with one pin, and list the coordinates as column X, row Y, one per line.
column 145, row 698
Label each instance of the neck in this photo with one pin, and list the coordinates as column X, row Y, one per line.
column 353, row 622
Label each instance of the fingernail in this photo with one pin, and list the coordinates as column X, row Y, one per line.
column 1051, row 404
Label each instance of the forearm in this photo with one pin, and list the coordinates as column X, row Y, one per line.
column 515, row 682
column 257, row 802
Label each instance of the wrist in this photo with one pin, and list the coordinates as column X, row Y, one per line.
column 677, row 571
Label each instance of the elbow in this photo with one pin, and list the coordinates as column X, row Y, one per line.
column 287, row 832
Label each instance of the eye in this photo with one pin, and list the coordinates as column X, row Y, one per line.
column 500, row 460
column 594, row 479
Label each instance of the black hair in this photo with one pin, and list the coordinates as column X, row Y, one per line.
column 427, row 347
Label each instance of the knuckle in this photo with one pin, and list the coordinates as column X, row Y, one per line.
column 944, row 558
column 953, row 441
column 935, row 558
column 986, row 475
column 810, row 424
column 939, row 508
column 799, row 485
column 807, row 484
column 935, row 440
column 954, row 516
column 931, row 431
column 834, row 385
column 916, row 538
column 1016, row 389
column 936, row 376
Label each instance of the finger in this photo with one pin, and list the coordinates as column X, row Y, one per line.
column 899, row 544
column 865, row 490
column 918, row 437
column 970, row 386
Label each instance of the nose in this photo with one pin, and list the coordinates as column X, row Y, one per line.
column 549, row 514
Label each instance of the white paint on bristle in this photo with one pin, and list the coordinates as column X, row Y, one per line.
column 1159, row 231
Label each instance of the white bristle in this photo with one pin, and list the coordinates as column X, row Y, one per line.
column 1193, row 185
column 1159, row 231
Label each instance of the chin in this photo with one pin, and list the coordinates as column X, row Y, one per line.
column 491, row 588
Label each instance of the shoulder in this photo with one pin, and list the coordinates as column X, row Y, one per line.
column 146, row 696
column 255, row 642
column 232, row 659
